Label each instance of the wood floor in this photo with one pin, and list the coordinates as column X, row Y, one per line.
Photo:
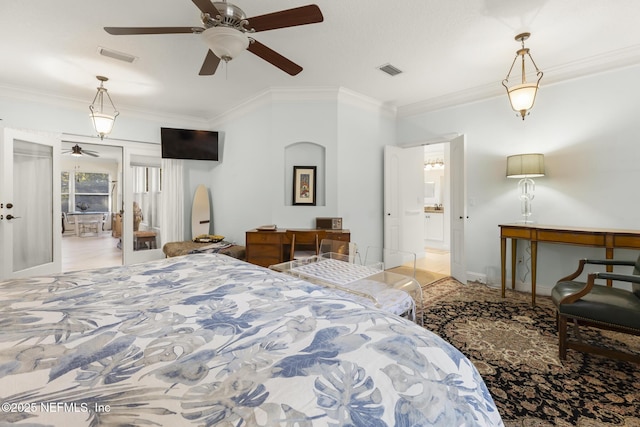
column 79, row 253
column 435, row 260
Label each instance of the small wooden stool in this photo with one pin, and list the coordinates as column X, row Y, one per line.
column 141, row 238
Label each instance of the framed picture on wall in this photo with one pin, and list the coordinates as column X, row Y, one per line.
column 304, row 185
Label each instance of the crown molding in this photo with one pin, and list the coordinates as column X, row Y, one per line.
column 22, row 94
column 303, row 94
column 593, row 65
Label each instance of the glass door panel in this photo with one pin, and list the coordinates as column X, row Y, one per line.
column 30, row 218
column 33, row 200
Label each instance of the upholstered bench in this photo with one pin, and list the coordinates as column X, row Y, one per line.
column 600, row 306
column 173, row 249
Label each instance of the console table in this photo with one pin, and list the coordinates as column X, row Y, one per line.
column 607, row 238
column 267, row 248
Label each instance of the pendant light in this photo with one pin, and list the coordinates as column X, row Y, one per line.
column 103, row 116
column 522, row 95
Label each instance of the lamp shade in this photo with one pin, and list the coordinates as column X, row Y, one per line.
column 525, row 165
column 226, row 43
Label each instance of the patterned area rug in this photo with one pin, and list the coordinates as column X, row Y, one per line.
column 515, row 348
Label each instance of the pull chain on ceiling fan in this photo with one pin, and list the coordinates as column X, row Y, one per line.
column 226, row 30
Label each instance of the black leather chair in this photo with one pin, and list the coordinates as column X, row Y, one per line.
column 598, row 305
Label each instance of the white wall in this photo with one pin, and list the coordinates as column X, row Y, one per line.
column 250, row 187
column 588, row 131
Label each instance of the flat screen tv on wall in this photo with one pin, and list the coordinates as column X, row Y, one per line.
column 189, row 144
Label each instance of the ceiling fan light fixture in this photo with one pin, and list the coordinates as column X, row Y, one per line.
column 523, row 95
column 226, row 43
column 76, row 151
column 103, row 116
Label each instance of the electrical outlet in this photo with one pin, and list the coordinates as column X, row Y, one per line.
column 521, row 260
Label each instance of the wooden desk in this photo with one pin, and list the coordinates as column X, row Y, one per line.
column 577, row 236
column 267, row 248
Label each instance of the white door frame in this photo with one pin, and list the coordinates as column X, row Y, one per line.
column 457, row 213
column 129, row 148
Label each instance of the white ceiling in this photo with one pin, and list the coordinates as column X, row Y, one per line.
column 450, row 50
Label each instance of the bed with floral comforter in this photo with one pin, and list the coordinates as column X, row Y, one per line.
column 211, row 340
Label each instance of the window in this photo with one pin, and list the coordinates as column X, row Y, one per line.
column 85, row 191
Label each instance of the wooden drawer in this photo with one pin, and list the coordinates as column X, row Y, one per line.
column 573, row 238
column 261, row 251
column 339, row 235
column 631, row 241
column 263, row 237
column 515, row 233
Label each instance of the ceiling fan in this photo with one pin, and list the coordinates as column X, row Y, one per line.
column 78, row 151
column 225, row 32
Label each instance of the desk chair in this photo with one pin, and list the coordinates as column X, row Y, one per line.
column 304, row 243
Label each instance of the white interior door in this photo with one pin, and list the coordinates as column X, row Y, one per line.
column 30, row 212
column 403, row 201
column 458, row 211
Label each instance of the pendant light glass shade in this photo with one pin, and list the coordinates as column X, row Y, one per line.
column 103, row 116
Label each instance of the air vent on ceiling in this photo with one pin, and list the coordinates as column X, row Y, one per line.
column 390, row 69
column 120, row 56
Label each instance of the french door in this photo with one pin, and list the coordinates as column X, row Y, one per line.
column 142, row 238
column 30, row 213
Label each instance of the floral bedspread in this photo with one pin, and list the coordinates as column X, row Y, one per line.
column 210, row 340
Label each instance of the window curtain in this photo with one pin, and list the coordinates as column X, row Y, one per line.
column 172, row 200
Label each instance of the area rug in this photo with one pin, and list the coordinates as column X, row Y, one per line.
column 515, row 348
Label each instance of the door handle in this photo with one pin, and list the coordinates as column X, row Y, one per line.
column 12, row 217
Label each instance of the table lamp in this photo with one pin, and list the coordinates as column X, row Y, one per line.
column 525, row 166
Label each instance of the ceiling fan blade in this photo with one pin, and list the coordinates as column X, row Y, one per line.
column 206, row 6
column 210, row 64
column 286, row 18
column 123, row 31
column 274, row 58
column 89, row 153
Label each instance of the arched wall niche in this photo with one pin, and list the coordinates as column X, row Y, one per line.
column 305, row 153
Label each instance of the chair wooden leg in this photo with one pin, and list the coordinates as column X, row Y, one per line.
column 562, row 336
